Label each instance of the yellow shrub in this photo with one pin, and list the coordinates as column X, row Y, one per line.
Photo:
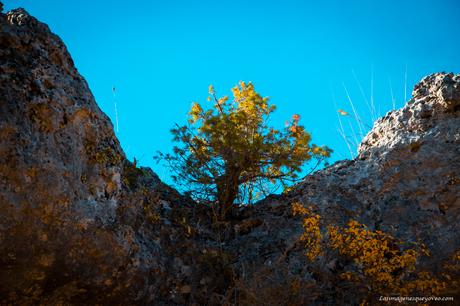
column 380, row 262
column 311, row 236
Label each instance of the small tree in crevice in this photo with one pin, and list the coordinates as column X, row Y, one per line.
column 229, row 153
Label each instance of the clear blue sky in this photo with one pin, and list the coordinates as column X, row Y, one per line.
column 162, row 55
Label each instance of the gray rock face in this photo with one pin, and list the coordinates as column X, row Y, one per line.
column 405, row 182
column 73, row 213
column 406, row 178
column 82, row 225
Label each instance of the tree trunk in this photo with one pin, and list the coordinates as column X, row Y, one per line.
column 227, row 190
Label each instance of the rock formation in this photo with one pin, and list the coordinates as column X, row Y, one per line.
column 71, row 227
column 80, row 224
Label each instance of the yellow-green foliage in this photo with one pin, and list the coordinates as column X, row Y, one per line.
column 131, row 175
column 101, row 153
column 380, row 262
column 151, row 215
column 151, row 200
column 452, row 272
column 311, row 237
column 383, row 262
column 229, row 151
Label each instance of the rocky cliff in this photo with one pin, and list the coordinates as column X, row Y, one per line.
column 80, row 224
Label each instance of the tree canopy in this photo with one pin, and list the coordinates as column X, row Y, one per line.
column 228, row 152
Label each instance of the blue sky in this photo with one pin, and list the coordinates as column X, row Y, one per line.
column 162, row 55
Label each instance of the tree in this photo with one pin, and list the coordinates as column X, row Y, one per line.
column 228, row 151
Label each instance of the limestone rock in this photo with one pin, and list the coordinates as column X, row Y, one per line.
column 80, row 224
column 75, row 212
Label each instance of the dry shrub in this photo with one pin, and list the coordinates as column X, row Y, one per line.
column 370, row 263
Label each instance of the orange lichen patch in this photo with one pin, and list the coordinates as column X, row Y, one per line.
column 79, row 116
column 42, row 115
column 46, row 260
column 7, row 131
